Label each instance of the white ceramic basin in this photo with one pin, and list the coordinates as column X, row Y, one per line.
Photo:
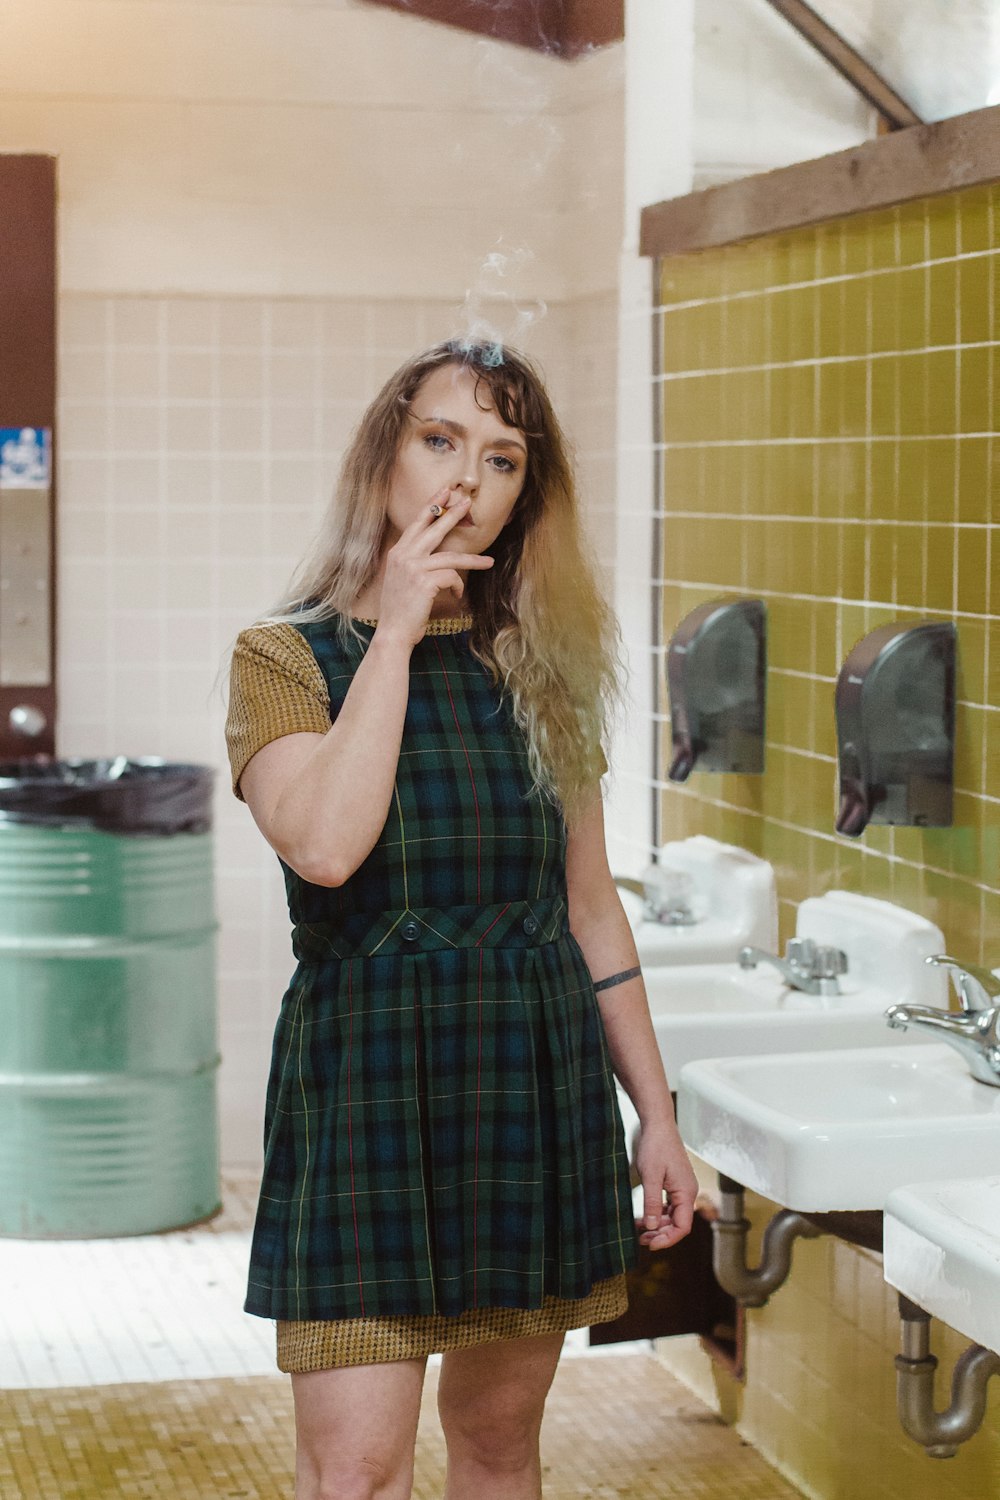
column 839, row 1129
column 731, row 894
column 720, row 1010
column 709, row 941
column 942, row 1250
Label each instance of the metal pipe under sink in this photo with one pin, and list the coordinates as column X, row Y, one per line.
column 938, row 1432
column 752, row 1286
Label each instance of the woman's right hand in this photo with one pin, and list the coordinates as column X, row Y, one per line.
column 416, row 571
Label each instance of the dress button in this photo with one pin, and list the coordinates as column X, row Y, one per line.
column 530, row 926
column 409, row 932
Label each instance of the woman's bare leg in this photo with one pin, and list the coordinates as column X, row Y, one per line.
column 355, row 1431
column 491, row 1399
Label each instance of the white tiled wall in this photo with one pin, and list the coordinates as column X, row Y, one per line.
column 332, row 148
column 199, row 443
column 264, row 206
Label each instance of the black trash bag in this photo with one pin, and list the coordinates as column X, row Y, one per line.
column 114, row 796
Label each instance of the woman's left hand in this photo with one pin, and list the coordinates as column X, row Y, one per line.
column 664, row 1169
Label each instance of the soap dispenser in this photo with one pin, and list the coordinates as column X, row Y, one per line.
column 895, row 707
column 716, row 668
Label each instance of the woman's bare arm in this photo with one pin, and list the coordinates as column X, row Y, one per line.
column 601, row 927
column 321, row 801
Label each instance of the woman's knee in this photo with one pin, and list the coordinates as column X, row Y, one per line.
column 355, row 1431
column 348, row 1477
column 499, row 1436
column 491, row 1399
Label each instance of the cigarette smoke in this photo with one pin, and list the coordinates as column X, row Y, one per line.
column 496, row 309
column 492, row 312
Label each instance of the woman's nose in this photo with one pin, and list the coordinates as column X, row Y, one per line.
column 467, row 482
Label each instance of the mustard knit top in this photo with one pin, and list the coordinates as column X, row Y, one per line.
column 276, row 688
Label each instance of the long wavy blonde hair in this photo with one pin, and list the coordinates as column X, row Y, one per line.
column 541, row 625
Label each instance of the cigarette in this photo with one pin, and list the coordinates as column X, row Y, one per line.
column 437, row 510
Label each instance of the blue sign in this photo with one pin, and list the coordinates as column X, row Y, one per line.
column 25, row 458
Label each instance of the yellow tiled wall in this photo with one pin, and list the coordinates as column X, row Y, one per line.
column 829, row 443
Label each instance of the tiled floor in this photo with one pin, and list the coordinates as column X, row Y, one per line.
column 639, row 1436
column 129, row 1370
column 157, row 1307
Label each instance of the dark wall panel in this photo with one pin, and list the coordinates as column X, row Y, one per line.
column 27, row 400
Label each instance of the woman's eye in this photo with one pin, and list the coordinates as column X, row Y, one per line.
column 503, row 465
column 437, row 441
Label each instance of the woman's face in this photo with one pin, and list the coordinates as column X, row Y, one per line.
column 454, row 445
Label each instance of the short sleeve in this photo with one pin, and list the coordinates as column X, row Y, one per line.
column 275, row 688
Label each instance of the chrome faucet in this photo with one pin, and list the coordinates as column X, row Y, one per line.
column 974, row 1031
column 974, row 986
column 806, row 965
column 665, row 895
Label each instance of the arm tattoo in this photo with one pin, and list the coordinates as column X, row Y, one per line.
column 613, row 979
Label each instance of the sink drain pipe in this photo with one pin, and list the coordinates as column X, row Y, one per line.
column 939, row 1432
column 752, row 1286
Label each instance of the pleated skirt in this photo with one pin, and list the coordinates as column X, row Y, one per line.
column 443, row 1137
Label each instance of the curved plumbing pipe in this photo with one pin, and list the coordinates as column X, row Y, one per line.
column 752, row 1286
column 939, row 1432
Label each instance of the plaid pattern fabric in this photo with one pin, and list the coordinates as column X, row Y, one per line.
column 441, row 1132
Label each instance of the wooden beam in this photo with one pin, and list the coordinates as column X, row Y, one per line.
column 592, row 23
column 848, row 62
column 562, row 28
column 960, row 152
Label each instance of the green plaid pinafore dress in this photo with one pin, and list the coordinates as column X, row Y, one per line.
column 441, row 1126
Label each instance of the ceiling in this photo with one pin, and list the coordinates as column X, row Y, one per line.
column 941, row 56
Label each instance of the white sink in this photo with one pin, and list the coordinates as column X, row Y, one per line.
column 840, row 1129
column 732, row 898
column 942, row 1250
column 719, row 1010
column 708, row 941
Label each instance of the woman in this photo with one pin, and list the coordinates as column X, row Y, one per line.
column 417, row 733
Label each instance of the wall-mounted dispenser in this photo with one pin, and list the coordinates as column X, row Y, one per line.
column 716, row 669
column 895, row 707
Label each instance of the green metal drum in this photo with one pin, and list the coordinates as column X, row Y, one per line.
column 108, row 1054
